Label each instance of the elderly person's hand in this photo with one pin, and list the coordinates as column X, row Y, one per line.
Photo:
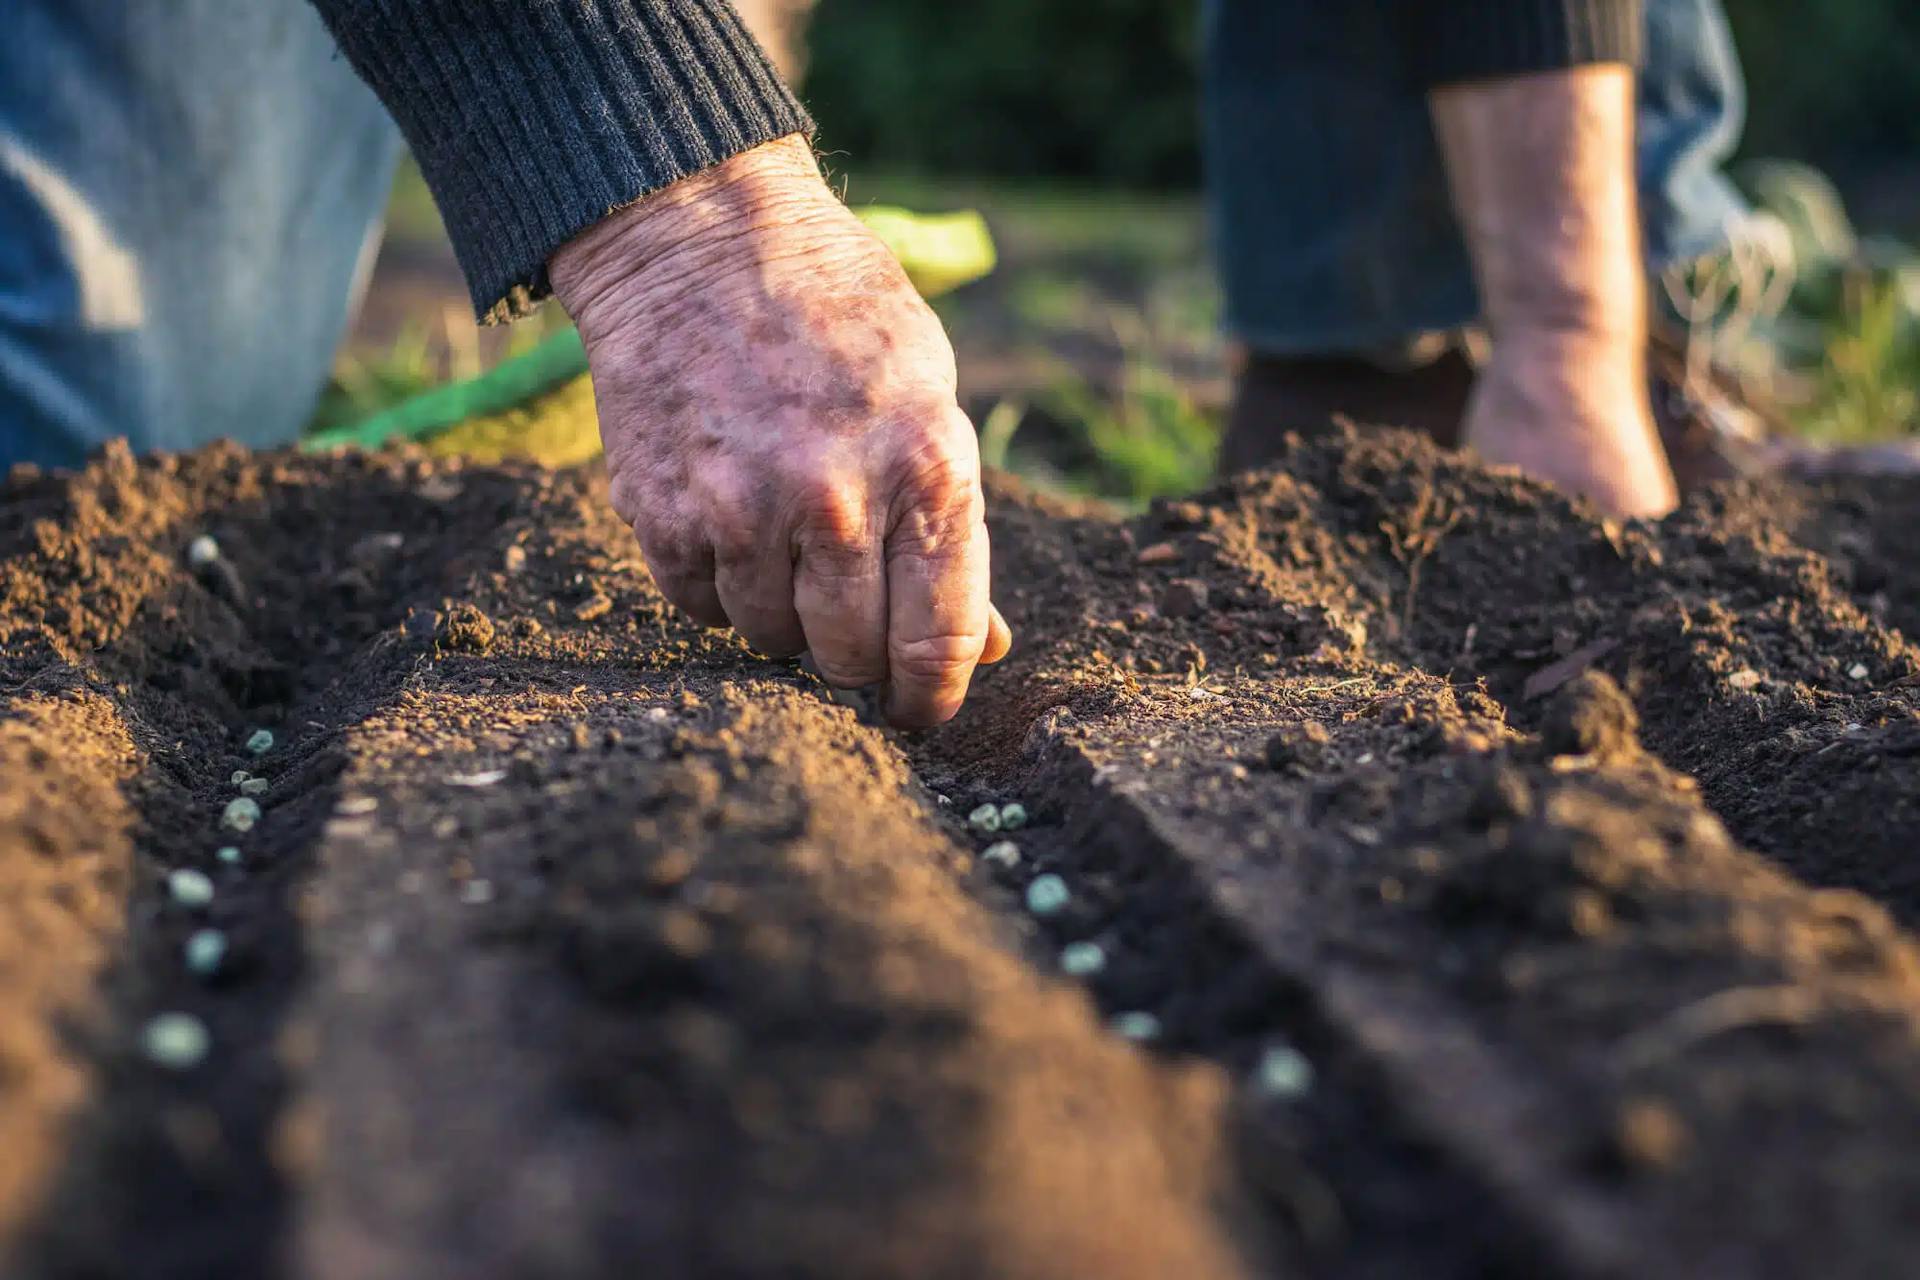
column 781, row 430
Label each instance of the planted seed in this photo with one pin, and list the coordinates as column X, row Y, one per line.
column 986, row 818
column 176, row 1041
column 260, row 741
column 1136, row 1024
column 241, row 814
column 190, row 888
column 1013, row 816
column 1047, row 894
column 1284, row 1072
column 254, row 787
column 1082, row 959
column 202, row 551
column 1001, row 853
column 205, row 950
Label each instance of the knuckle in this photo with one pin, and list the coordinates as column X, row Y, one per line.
column 735, row 539
column 939, row 500
column 936, row 659
column 832, row 518
column 848, row 672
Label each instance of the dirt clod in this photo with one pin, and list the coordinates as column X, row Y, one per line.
column 1184, row 598
column 466, row 629
column 1590, row 716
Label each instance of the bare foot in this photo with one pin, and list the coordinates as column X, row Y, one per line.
column 1572, row 410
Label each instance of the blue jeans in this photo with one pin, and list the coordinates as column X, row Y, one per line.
column 1327, row 199
column 190, row 191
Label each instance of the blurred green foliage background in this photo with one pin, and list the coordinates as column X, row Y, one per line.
column 1105, row 89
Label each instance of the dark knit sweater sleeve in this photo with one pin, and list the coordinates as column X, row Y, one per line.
column 532, row 118
column 1481, row 39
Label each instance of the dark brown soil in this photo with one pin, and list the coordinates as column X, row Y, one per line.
column 1513, row 893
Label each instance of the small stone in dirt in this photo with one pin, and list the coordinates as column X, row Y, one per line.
column 1001, row 853
column 668, row 871
column 202, row 551
column 466, row 629
column 985, row 818
column 260, row 741
column 1744, row 679
column 241, row 814
column 1302, row 746
column 484, row 778
column 1136, row 1024
column 190, row 888
column 1649, row 1135
column 229, row 854
column 1591, row 716
column 1047, row 895
column 254, row 787
column 1013, row 816
column 514, row 559
column 477, row 892
column 1858, row 671
column 176, row 1041
column 1082, row 959
column 594, row 607
column 238, row 776
column 205, row 950
column 1284, row 1072
column 1158, row 553
column 374, row 550
column 1184, row 598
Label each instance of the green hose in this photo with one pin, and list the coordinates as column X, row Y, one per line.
column 507, row 385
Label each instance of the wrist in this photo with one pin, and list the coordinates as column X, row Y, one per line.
column 758, row 204
column 1541, row 172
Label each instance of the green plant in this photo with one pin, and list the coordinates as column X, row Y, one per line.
column 1868, row 387
column 1150, row 441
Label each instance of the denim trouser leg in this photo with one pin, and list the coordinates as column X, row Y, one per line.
column 1328, row 201
column 189, row 193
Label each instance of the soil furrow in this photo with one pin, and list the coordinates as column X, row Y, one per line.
column 811, row 1056
column 1624, row 1025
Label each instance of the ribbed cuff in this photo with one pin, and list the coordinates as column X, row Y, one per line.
column 1482, row 39
column 531, row 119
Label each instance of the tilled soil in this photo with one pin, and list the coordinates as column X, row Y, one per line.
column 1475, row 888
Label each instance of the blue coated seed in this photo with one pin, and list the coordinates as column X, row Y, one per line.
column 205, row 950
column 1082, row 959
column 241, row 814
column 1284, row 1072
column 190, row 888
column 1047, row 894
column 176, row 1041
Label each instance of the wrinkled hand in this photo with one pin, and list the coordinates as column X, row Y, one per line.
column 778, row 409
column 1572, row 409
